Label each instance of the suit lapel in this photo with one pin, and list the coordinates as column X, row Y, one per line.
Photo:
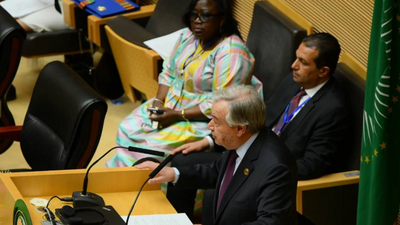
column 294, row 124
column 243, row 171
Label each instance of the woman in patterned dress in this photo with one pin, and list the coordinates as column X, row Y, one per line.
column 209, row 55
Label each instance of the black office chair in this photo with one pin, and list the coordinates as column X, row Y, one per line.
column 63, row 123
column 69, row 42
column 11, row 38
column 72, row 43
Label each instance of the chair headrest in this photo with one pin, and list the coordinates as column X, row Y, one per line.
column 273, row 39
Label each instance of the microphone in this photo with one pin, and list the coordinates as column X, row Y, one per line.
column 146, row 151
column 162, row 165
column 151, row 175
column 88, row 199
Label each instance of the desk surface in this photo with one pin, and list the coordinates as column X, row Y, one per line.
column 95, row 24
column 117, row 186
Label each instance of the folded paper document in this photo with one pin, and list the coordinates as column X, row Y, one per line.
column 159, row 219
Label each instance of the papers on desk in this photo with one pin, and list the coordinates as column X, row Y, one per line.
column 19, row 8
column 165, row 44
column 159, row 219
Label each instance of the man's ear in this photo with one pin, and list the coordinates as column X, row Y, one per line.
column 241, row 130
column 324, row 71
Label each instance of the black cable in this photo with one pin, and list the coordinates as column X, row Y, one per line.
column 66, row 199
column 49, row 212
column 134, row 203
column 50, row 219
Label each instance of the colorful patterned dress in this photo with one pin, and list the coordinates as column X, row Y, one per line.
column 229, row 63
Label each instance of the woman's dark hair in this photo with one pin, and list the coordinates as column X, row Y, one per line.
column 230, row 25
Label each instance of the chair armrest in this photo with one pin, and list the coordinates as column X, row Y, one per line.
column 95, row 23
column 329, row 180
column 10, row 133
column 68, row 8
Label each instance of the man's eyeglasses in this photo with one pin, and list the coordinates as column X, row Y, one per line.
column 204, row 17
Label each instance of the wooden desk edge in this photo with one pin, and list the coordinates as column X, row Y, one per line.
column 329, row 180
column 94, row 22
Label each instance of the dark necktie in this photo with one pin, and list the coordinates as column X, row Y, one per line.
column 292, row 106
column 228, row 175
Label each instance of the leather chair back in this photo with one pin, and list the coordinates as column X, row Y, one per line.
column 64, row 120
column 61, row 42
column 354, row 88
column 167, row 17
column 273, row 39
column 11, row 38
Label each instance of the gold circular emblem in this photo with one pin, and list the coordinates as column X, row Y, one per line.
column 101, row 8
column 246, row 171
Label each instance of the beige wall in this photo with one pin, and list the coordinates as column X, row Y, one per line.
column 349, row 20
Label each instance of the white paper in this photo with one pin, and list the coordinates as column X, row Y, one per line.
column 164, row 45
column 19, row 8
column 159, row 219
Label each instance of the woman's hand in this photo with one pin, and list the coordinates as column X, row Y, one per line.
column 167, row 118
column 196, row 146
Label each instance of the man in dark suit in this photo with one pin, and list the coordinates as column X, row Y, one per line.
column 316, row 132
column 263, row 187
column 319, row 129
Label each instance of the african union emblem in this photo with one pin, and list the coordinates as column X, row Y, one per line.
column 379, row 187
column 383, row 86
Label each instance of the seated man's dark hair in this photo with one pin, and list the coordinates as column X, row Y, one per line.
column 328, row 47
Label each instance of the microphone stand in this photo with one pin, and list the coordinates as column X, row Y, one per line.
column 87, row 199
column 151, row 175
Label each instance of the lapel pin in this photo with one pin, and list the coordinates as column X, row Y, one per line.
column 246, row 172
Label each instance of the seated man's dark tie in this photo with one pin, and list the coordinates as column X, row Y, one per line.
column 288, row 112
column 230, row 169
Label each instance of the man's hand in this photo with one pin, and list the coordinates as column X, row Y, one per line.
column 166, row 174
column 196, row 146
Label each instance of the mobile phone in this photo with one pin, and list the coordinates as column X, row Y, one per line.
column 155, row 110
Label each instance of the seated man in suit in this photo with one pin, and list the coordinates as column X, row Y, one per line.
column 256, row 177
column 319, row 126
column 315, row 132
